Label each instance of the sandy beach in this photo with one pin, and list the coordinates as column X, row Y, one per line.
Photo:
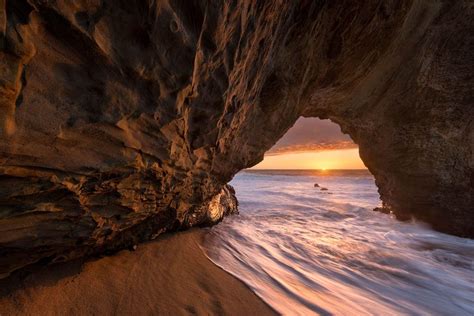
column 169, row 276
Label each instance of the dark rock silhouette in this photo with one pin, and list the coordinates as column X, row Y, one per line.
column 316, row 185
column 120, row 120
column 324, row 189
column 382, row 210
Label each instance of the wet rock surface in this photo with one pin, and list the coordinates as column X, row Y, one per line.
column 120, row 120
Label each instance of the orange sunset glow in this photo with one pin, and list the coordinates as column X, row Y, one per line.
column 323, row 160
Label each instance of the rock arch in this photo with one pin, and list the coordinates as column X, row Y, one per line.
column 124, row 119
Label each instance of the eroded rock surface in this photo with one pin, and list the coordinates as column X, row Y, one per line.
column 122, row 119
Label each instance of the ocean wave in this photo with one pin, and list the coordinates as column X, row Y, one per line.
column 308, row 253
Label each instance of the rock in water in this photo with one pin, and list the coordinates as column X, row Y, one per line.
column 324, row 189
column 316, row 185
column 382, row 210
column 120, row 120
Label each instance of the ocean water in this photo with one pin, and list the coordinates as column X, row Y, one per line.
column 307, row 252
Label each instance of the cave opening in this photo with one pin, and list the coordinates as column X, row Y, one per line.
column 313, row 158
column 315, row 144
column 319, row 150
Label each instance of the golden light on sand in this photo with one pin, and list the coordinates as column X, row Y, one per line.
column 321, row 160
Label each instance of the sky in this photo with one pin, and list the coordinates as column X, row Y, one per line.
column 313, row 144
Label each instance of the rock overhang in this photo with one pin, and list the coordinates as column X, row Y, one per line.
column 121, row 120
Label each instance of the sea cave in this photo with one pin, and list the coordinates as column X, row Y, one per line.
column 122, row 120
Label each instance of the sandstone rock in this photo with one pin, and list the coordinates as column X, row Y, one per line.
column 120, row 120
column 222, row 204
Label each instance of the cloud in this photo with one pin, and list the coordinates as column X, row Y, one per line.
column 312, row 147
column 312, row 134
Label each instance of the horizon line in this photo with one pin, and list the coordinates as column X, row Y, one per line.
column 319, row 169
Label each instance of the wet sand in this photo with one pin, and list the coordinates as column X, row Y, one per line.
column 169, row 276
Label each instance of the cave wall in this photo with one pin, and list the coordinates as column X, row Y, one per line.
column 120, row 120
